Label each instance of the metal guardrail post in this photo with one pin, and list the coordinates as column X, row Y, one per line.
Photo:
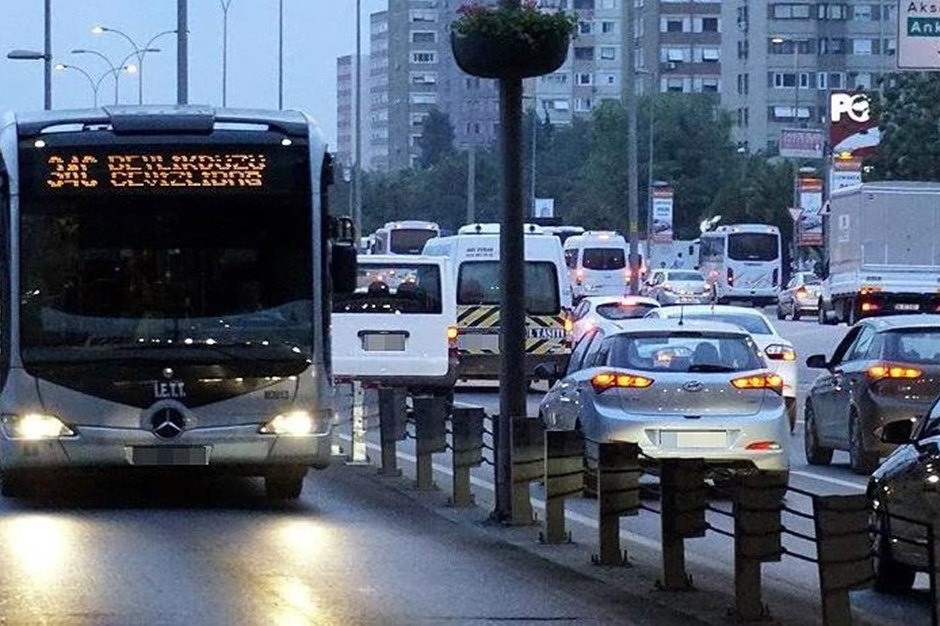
column 392, row 426
column 757, row 538
column 564, row 476
column 843, row 549
column 466, row 426
column 528, row 458
column 618, row 494
column 431, row 436
column 684, row 499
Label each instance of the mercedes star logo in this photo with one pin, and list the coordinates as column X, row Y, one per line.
column 167, row 423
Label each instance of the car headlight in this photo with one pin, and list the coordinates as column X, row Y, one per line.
column 35, row 426
column 295, row 423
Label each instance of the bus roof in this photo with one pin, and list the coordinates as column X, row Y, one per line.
column 411, row 224
column 493, row 229
column 744, row 228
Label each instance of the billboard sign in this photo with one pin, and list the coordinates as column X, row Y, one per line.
column 853, row 129
column 918, row 35
column 810, row 193
column 661, row 228
column 845, row 173
column 802, row 143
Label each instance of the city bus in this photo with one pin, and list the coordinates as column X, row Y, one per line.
column 165, row 294
column 405, row 237
column 743, row 262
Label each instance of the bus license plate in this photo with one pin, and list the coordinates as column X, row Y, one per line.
column 170, row 455
column 545, row 333
column 903, row 306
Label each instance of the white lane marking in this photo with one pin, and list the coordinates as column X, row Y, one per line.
column 827, row 479
column 479, row 482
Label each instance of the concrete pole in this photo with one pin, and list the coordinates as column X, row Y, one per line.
column 512, row 389
column 47, row 57
column 280, row 54
column 182, row 52
column 471, row 185
column 629, row 101
column 225, row 6
column 357, row 169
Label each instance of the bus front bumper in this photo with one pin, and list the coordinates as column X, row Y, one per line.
column 235, row 446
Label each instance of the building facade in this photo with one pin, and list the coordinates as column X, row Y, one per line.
column 346, row 110
column 781, row 60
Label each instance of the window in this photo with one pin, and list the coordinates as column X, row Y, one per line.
column 394, row 289
column 889, row 47
column 753, row 246
column 571, row 260
column 783, row 80
column 420, row 58
column 671, row 26
column 585, row 78
column 676, row 55
column 743, row 49
column 581, row 349
column 832, row 11
column 423, row 36
column 583, row 4
column 582, row 104
column 422, row 15
column 791, row 11
column 836, row 80
column 865, row 13
column 710, row 85
column 423, row 78
column 478, row 283
column 859, row 349
column 711, row 55
column 609, row 4
column 683, row 352
column 608, row 53
column 676, row 85
column 608, row 27
column 423, row 98
column 832, row 45
column 709, row 25
column 583, row 53
column 417, row 119
column 862, row 46
column 603, row 259
column 607, row 78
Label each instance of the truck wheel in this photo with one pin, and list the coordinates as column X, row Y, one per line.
column 284, row 484
column 862, row 461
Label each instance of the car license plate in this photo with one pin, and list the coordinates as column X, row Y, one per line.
column 383, row 342
column 904, row 306
column 545, row 333
column 170, row 455
column 701, row 439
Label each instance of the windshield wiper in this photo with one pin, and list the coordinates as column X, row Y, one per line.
column 711, row 367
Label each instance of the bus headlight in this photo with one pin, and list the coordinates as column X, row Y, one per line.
column 35, row 426
column 294, row 423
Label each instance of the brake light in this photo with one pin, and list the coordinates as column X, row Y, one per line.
column 896, row 372
column 579, row 276
column 730, row 276
column 607, row 380
column 780, row 352
column 801, row 292
column 626, row 276
column 867, row 307
column 761, row 446
column 569, row 330
column 760, row 381
column 452, row 333
column 869, row 289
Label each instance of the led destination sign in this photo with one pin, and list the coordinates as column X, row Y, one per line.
column 112, row 170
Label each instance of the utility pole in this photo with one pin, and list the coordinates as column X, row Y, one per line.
column 357, row 169
column 280, row 55
column 629, row 101
column 182, row 52
column 47, row 57
column 471, row 185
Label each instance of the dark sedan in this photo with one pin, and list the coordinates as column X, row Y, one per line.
column 885, row 369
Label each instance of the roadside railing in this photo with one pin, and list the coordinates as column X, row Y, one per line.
column 834, row 533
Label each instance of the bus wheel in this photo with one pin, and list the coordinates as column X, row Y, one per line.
column 284, row 484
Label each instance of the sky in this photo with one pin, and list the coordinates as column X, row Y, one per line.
column 315, row 33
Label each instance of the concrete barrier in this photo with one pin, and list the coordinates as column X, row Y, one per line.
column 618, row 494
column 564, row 477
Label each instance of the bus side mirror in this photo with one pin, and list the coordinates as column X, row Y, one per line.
column 344, row 268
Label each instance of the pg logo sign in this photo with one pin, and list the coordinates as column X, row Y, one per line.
column 852, row 107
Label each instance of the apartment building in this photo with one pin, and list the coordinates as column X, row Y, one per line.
column 346, row 110
column 780, row 60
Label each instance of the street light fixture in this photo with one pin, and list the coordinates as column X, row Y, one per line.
column 94, row 84
column 116, row 69
column 139, row 51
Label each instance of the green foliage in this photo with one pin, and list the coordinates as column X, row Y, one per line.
column 437, row 139
column 525, row 21
column 910, row 134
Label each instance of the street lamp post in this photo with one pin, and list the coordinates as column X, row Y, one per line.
column 45, row 55
column 139, row 51
column 94, row 84
column 225, row 4
column 796, row 73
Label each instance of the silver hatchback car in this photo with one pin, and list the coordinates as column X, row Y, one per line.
column 678, row 388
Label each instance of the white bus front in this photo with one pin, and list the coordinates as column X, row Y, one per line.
column 743, row 263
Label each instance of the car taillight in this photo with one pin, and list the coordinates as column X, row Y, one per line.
column 730, row 276
column 604, row 381
column 760, row 381
column 868, row 307
column 569, row 330
column 579, row 276
column 897, row 372
column 452, row 333
column 780, row 352
column 626, row 276
column 762, row 446
column 801, row 292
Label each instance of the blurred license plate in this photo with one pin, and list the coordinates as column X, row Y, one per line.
column 383, row 342
column 703, row 439
column 902, row 306
column 170, row 455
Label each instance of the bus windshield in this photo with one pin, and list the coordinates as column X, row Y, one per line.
column 409, row 240
column 753, row 246
column 191, row 269
column 478, row 283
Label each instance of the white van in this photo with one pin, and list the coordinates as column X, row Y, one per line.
column 398, row 328
column 598, row 264
column 474, row 255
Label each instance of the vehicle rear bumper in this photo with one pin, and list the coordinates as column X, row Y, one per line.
column 236, row 446
column 881, row 410
column 487, row 366
column 411, row 381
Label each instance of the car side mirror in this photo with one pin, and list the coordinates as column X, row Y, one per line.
column 898, row 432
column 817, row 361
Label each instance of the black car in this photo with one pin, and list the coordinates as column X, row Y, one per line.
column 904, row 493
column 885, row 369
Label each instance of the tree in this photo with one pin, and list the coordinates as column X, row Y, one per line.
column 910, row 135
column 437, row 139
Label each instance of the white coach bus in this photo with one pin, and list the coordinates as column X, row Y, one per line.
column 166, row 293
column 744, row 262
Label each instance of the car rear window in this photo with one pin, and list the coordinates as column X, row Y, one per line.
column 478, row 283
column 622, row 311
column 686, row 276
column 405, row 288
column 409, row 240
column 603, row 259
column 751, row 323
column 684, row 352
column 920, row 345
